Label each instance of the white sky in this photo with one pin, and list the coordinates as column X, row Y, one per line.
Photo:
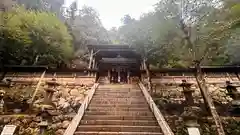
column 111, row 11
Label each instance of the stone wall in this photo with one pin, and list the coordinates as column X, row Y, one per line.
column 170, row 99
column 29, row 124
column 67, row 99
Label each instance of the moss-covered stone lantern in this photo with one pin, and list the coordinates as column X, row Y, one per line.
column 235, row 95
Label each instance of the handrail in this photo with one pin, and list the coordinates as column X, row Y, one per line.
column 160, row 119
column 78, row 117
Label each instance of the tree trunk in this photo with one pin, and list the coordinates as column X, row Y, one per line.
column 207, row 99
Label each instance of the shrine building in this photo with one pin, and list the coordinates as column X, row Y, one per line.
column 119, row 61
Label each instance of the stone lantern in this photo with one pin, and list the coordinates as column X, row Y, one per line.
column 47, row 110
column 187, row 91
column 191, row 112
column 2, row 94
column 46, row 118
column 190, row 117
column 235, row 95
column 50, row 91
column 48, row 96
column 52, row 83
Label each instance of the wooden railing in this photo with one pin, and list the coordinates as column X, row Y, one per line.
column 160, row 119
column 77, row 118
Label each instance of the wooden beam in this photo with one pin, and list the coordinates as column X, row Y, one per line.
column 38, row 86
column 208, row 100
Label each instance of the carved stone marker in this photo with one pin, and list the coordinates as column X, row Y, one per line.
column 8, row 130
column 193, row 131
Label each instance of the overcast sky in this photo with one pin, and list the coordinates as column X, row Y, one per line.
column 111, row 11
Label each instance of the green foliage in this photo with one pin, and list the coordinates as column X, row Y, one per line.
column 86, row 28
column 232, row 127
column 33, row 37
column 208, row 25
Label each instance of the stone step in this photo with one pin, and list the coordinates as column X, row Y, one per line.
column 118, row 128
column 119, row 99
column 123, row 91
column 118, row 89
column 119, row 105
column 116, row 133
column 130, row 113
column 119, row 94
column 117, row 117
column 117, row 109
column 120, row 122
column 117, row 102
column 116, row 96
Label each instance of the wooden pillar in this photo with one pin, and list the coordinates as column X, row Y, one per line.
column 119, row 77
column 90, row 62
column 109, row 76
column 90, row 59
column 94, row 62
column 93, row 65
column 128, row 77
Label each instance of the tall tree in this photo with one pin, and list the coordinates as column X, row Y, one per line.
column 127, row 19
column 29, row 37
column 86, row 28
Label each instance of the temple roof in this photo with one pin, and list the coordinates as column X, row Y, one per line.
column 118, row 60
column 112, row 51
column 109, row 46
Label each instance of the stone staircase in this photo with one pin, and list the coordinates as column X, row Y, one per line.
column 103, row 80
column 118, row 110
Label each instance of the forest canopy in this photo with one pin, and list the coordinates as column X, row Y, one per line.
column 33, row 37
column 175, row 34
column 180, row 31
